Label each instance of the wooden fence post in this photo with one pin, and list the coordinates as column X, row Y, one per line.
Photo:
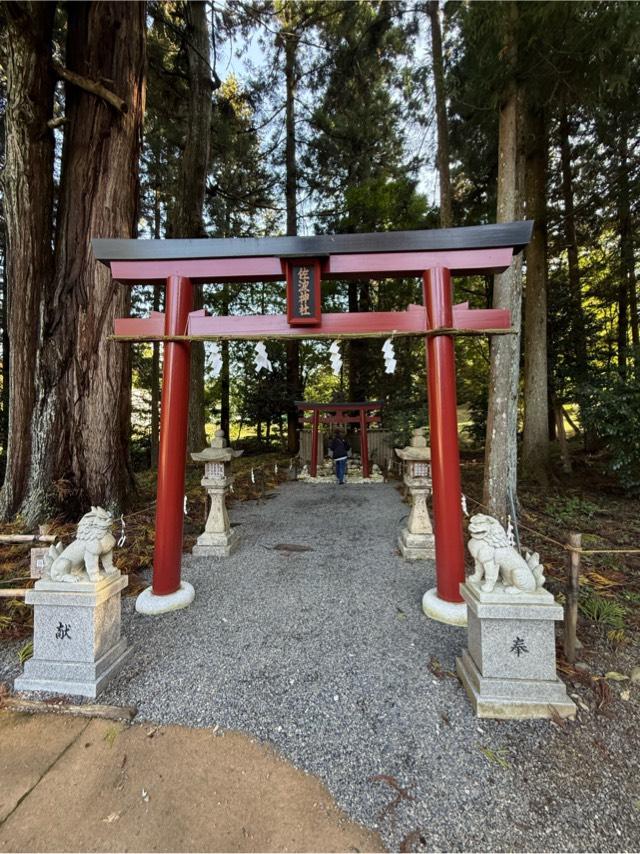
column 571, row 606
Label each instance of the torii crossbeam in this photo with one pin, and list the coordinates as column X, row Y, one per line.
column 303, row 262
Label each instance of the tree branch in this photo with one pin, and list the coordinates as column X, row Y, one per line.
column 91, row 86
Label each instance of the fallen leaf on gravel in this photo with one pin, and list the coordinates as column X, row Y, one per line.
column 151, row 732
column 580, row 702
column 145, row 796
column 497, row 756
column 291, row 547
column 625, row 695
column 114, row 816
column 615, row 676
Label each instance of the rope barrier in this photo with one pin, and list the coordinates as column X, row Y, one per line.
column 564, row 546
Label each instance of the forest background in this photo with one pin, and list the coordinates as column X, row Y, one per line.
column 201, row 119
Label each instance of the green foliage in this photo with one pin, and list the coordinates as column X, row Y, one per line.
column 607, row 612
column 612, row 411
column 25, row 652
column 571, row 508
column 403, row 420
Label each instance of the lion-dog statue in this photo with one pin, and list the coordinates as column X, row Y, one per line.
column 496, row 558
column 81, row 559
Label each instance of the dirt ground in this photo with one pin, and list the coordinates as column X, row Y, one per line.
column 72, row 784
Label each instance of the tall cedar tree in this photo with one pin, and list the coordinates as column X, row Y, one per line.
column 289, row 37
column 81, row 418
column 446, row 215
column 535, row 443
column 501, row 450
column 355, row 158
column 28, row 206
column 186, row 213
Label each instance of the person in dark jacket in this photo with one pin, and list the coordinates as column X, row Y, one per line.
column 339, row 448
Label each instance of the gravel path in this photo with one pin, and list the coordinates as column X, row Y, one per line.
column 327, row 655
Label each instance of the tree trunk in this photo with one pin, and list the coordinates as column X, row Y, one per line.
column 225, row 375
column 186, row 218
column 627, row 294
column 291, row 193
column 28, row 206
column 446, row 216
column 155, row 391
column 535, row 445
column 501, row 451
column 562, row 437
column 225, row 387
column 81, row 420
column 575, row 287
column 4, row 424
column 154, row 445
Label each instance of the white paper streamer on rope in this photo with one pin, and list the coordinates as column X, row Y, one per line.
column 389, row 356
column 336, row 358
column 463, row 503
column 185, row 505
column 253, row 476
column 275, row 468
column 510, row 535
column 123, row 536
column 261, row 359
column 231, row 489
column 216, row 359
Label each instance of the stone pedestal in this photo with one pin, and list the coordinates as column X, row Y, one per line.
column 219, row 538
column 416, row 540
column 77, row 645
column 509, row 669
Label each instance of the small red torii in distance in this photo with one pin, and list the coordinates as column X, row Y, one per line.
column 337, row 413
column 433, row 255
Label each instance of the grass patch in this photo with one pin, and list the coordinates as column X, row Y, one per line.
column 606, row 612
column 25, row 652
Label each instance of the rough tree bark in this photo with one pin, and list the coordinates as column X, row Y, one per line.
column 4, row 423
column 501, row 449
column 446, row 216
column 535, row 444
column 81, row 419
column 186, row 219
column 290, row 41
column 28, row 206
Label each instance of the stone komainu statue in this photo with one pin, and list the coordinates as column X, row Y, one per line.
column 93, row 545
column 495, row 557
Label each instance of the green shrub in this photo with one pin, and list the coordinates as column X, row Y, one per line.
column 612, row 411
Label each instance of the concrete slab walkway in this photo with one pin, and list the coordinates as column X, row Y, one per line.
column 72, row 784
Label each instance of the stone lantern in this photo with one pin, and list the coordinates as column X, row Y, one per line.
column 416, row 540
column 218, row 538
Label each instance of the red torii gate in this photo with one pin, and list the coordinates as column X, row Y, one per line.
column 434, row 255
column 339, row 413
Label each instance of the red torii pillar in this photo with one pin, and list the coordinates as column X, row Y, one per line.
column 168, row 592
column 444, row 602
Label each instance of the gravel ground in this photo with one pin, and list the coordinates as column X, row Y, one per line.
column 326, row 655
